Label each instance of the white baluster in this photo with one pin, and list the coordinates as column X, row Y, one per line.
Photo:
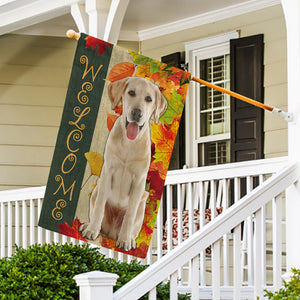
column 258, row 255
column 249, row 229
column 225, row 205
column 149, row 254
column 152, row 294
column 277, row 241
column 190, row 208
column 194, row 282
column 9, row 229
column 237, row 268
column 202, row 200
column 159, row 230
column 48, row 236
column 64, row 239
column 32, row 222
column 17, row 223
column 169, row 216
column 173, row 286
column 179, row 228
column 120, row 256
column 40, row 230
column 24, row 224
column 215, row 260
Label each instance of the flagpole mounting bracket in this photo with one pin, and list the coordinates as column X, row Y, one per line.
column 285, row 115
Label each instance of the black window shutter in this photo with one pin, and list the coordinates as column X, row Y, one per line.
column 246, row 78
column 178, row 156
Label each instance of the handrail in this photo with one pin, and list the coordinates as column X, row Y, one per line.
column 215, row 229
column 240, row 169
column 22, row 194
column 230, row 170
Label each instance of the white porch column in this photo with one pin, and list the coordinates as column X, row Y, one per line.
column 96, row 285
column 100, row 18
column 98, row 11
column 292, row 17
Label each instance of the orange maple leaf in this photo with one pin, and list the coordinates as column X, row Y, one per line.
column 111, row 119
column 120, row 71
column 119, row 109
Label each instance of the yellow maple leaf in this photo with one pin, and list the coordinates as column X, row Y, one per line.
column 95, row 161
column 164, row 137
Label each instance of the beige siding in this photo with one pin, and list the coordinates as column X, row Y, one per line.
column 33, row 80
column 271, row 23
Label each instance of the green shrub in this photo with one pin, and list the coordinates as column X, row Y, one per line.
column 290, row 291
column 47, row 271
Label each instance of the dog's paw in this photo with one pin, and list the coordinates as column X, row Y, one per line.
column 126, row 245
column 88, row 232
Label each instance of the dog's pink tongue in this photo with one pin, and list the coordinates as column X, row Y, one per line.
column 132, row 130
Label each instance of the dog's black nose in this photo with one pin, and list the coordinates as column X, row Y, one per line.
column 136, row 114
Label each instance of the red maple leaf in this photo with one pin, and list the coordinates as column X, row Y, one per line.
column 176, row 77
column 94, row 43
column 64, row 228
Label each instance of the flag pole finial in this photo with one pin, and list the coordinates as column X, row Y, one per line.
column 73, row 34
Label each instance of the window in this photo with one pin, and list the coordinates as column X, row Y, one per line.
column 214, row 112
column 208, row 110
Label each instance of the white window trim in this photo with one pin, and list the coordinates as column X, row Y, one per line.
column 203, row 48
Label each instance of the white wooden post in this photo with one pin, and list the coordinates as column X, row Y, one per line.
column 97, row 11
column 96, row 285
column 292, row 18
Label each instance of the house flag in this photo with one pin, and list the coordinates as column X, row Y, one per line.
column 119, row 124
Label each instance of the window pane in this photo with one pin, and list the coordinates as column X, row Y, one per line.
column 206, row 124
column 214, row 105
column 214, row 153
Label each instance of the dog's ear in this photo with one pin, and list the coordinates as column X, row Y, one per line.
column 161, row 105
column 116, row 90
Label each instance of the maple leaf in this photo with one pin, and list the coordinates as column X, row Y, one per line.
column 143, row 71
column 175, row 108
column 120, row 71
column 111, row 119
column 64, row 228
column 159, row 167
column 95, row 161
column 119, row 109
column 167, row 87
column 163, row 137
column 185, row 78
column 182, row 90
column 139, row 58
column 176, row 77
column 92, row 42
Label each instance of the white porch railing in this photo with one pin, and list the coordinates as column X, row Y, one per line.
column 197, row 188
column 253, row 205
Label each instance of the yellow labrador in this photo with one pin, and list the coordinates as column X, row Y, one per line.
column 118, row 201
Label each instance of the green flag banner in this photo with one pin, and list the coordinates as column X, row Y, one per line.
column 119, row 124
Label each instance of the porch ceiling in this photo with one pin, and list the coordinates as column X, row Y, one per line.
column 144, row 19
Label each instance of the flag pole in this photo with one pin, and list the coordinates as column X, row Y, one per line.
column 285, row 115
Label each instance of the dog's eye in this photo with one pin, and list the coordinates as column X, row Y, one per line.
column 131, row 93
column 148, row 99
